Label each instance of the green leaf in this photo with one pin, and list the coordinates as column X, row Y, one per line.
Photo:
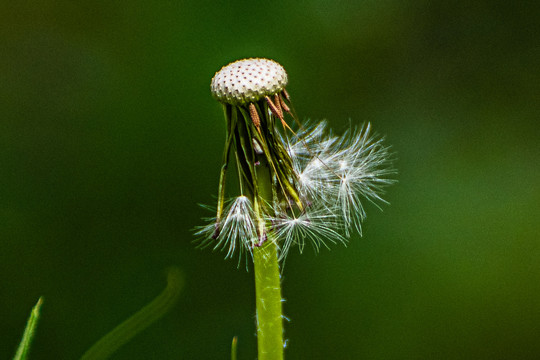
column 24, row 347
column 233, row 347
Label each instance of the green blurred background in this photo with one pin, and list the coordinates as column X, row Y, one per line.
column 109, row 138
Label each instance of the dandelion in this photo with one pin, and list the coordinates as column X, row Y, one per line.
column 295, row 187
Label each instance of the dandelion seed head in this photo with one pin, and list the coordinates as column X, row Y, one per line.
column 304, row 186
column 248, row 80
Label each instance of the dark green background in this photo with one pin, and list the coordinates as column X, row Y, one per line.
column 109, row 138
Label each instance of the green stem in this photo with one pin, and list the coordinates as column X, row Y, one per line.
column 267, row 282
column 268, row 294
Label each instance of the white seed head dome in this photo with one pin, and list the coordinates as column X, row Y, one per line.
column 248, row 80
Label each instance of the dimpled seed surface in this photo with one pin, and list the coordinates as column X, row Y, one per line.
column 248, row 80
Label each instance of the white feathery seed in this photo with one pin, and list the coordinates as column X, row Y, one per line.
column 362, row 164
column 237, row 230
column 342, row 171
column 307, row 141
column 315, row 225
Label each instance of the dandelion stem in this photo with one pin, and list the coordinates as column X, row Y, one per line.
column 267, row 281
column 268, row 294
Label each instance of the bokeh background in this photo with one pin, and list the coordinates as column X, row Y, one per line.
column 109, row 140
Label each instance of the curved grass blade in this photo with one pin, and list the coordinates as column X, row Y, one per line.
column 24, row 347
column 139, row 321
